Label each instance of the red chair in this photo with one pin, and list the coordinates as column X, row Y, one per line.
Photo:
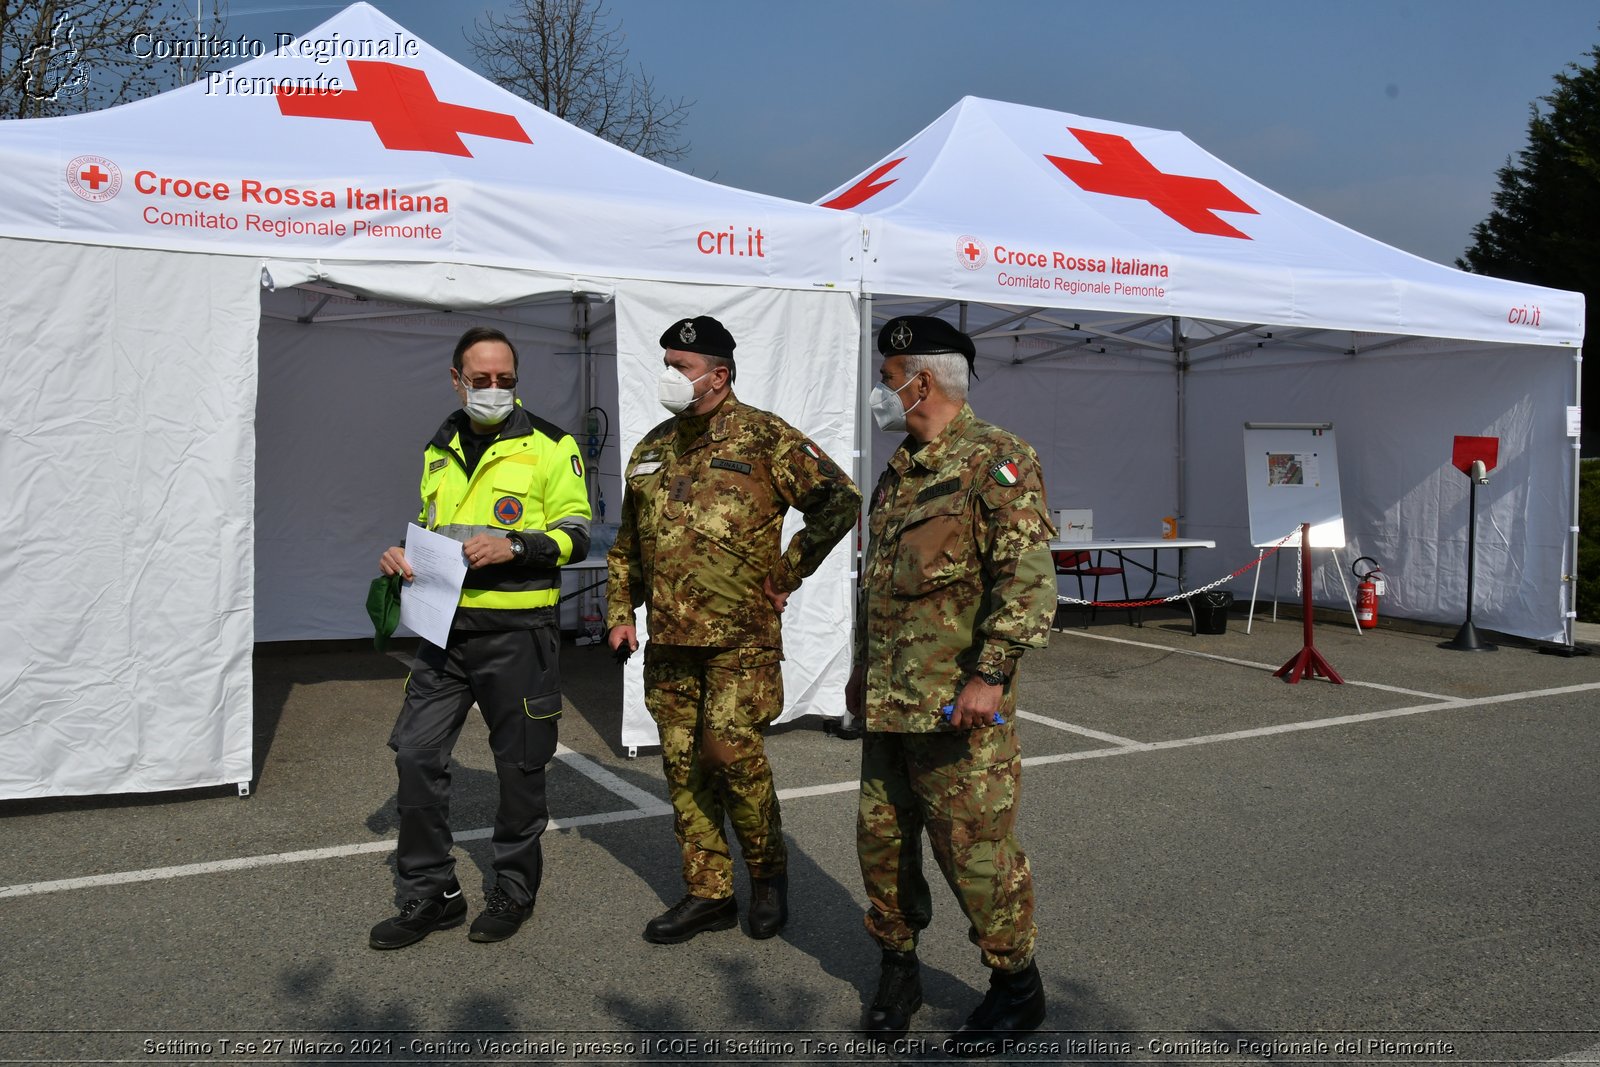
column 1082, row 564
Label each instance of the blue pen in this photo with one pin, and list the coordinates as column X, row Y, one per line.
column 950, row 709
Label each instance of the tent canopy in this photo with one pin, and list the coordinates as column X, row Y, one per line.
column 242, row 456
column 1006, row 204
column 1135, row 301
column 415, row 158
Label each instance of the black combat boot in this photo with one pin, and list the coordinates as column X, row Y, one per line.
column 689, row 916
column 1013, row 1005
column 899, row 995
column 769, row 905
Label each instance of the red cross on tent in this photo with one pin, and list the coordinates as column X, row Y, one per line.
column 1122, row 171
column 402, row 107
column 94, row 176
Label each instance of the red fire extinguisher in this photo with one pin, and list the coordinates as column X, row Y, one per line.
column 1367, row 592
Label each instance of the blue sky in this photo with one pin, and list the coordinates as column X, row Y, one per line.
column 1389, row 116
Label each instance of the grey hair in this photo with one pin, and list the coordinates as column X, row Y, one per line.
column 713, row 362
column 947, row 369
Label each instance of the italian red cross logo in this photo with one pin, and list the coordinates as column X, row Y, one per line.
column 971, row 253
column 93, row 178
column 1122, row 171
column 403, row 109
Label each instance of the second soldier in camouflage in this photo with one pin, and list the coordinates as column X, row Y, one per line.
column 958, row 582
column 699, row 547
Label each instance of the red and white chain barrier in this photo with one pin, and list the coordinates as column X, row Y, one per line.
column 1177, row 597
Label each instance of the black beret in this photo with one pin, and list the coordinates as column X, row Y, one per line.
column 702, row 334
column 922, row 335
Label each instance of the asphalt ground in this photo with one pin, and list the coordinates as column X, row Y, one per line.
column 1400, row 869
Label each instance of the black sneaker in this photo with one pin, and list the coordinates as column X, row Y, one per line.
column 419, row 917
column 499, row 919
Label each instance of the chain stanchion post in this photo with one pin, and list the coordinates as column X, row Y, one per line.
column 1308, row 662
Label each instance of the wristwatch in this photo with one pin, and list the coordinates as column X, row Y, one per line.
column 990, row 677
column 518, row 549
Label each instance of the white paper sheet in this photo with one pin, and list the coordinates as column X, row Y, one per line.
column 428, row 601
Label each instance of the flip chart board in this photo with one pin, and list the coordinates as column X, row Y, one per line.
column 1291, row 475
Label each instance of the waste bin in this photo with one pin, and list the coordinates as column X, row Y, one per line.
column 1211, row 612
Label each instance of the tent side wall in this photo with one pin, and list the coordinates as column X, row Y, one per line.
column 127, row 452
column 1395, row 415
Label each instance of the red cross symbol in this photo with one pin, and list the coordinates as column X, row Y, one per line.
column 972, row 251
column 402, row 108
column 1122, row 171
column 866, row 188
column 94, row 176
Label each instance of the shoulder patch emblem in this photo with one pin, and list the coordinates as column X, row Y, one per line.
column 825, row 466
column 577, row 466
column 438, row 465
column 507, row 510
column 1005, row 472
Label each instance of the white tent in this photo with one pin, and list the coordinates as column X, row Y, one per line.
column 1136, row 300
column 227, row 312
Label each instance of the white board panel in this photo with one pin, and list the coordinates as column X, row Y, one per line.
column 1291, row 475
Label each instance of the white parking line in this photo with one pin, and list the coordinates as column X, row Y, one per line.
column 1110, row 739
column 1245, row 663
column 657, row 808
column 1311, row 724
column 646, row 802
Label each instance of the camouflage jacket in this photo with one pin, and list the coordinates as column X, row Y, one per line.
column 702, row 515
column 958, row 575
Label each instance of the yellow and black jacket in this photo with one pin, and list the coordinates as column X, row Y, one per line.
column 529, row 484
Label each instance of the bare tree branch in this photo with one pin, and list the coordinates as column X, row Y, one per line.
column 59, row 57
column 567, row 57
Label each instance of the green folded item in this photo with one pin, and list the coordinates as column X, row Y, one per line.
column 383, row 605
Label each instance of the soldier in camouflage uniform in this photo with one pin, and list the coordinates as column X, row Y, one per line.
column 699, row 547
column 958, row 583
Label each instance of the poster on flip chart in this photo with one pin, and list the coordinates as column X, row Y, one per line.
column 1291, row 475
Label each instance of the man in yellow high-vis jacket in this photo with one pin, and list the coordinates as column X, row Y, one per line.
column 510, row 487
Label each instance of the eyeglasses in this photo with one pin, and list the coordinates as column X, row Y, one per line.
column 504, row 381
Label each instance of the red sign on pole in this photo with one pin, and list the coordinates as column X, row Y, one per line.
column 1469, row 449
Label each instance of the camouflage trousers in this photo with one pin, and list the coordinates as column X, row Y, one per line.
column 962, row 788
column 710, row 705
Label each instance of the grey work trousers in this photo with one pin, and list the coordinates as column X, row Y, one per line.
column 515, row 678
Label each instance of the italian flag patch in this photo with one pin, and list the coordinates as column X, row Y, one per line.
column 1006, row 472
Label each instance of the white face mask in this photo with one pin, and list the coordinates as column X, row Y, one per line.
column 675, row 390
column 887, row 411
column 489, row 407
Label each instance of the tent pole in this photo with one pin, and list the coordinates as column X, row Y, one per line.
column 1571, row 613
column 864, row 426
column 580, row 308
column 1180, row 362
